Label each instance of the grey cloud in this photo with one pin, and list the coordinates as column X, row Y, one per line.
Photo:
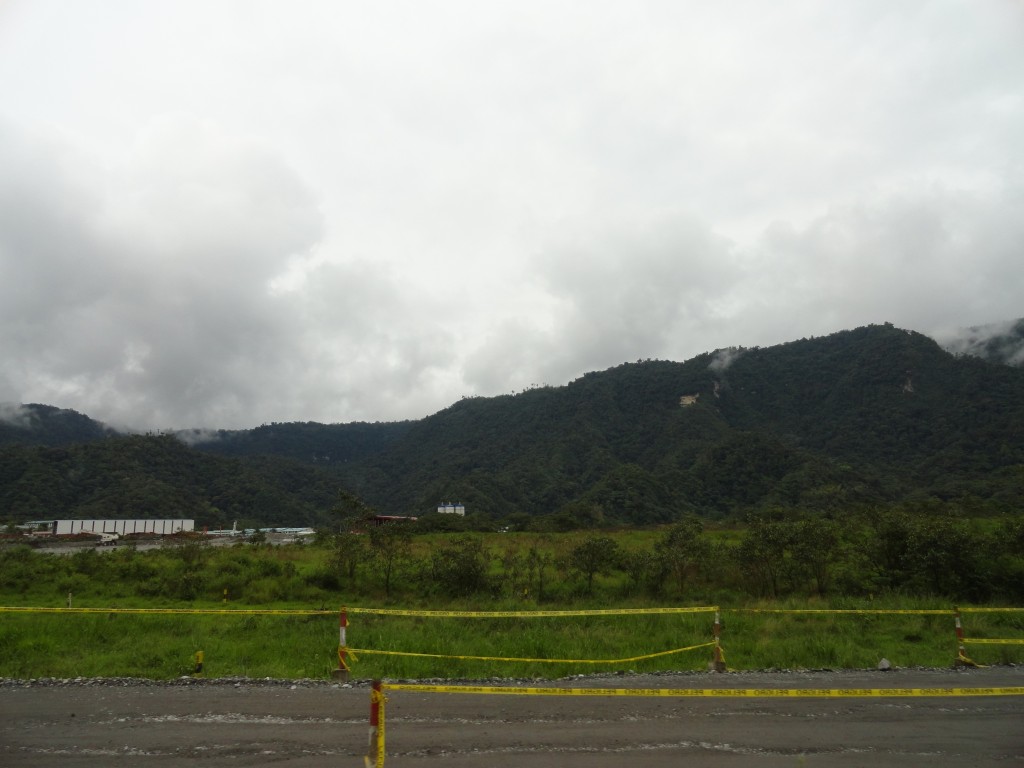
column 211, row 207
column 672, row 288
column 191, row 276
column 48, row 240
column 378, row 343
column 16, row 415
column 198, row 436
column 920, row 261
column 514, row 355
column 634, row 289
column 155, row 323
column 163, row 311
column 1002, row 342
column 619, row 291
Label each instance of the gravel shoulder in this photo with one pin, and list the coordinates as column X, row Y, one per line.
column 115, row 721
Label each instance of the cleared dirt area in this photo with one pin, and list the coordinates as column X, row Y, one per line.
column 253, row 723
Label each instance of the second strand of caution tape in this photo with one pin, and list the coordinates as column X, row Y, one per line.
column 798, row 693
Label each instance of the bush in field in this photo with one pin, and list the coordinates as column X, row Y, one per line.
column 765, row 555
column 460, row 568
column 391, row 550
column 537, row 564
column 643, row 571
column 931, row 552
column 512, row 580
column 780, row 555
column 349, row 551
column 816, row 547
column 681, row 554
column 594, row 555
column 22, row 569
column 1008, row 559
column 928, row 549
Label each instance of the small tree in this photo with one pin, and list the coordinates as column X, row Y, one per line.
column 391, row 547
column 682, row 552
column 349, row 508
column 537, row 563
column 816, row 545
column 642, row 568
column 514, row 578
column 764, row 551
column 348, row 551
column 596, row 554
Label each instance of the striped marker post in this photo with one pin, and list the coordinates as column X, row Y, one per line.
column 375, row 751
column 341, row 673
column 962, row 659
column 717, row 656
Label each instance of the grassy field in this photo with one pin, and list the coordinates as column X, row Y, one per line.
column 755, row 634
column 305, row 646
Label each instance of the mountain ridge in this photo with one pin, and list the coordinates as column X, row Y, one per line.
column 873, row 415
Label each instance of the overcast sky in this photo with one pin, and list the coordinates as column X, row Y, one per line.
column 221, row 214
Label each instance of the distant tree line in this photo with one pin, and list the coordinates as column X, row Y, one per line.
column 910, row 550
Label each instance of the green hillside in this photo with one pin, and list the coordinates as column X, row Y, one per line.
column 868, row 417
column 871, row 415
column 159, row 476
column 36, row 424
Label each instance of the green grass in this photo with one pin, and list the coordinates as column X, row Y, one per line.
column 162, row 646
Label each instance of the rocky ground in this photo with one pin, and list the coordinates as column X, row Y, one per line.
column 131, row 722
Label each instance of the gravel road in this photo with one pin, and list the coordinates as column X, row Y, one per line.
column 114, row 722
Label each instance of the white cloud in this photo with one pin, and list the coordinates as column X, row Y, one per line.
column 219, row 215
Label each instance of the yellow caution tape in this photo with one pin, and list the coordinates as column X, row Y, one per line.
column 536, row 661
column 341, row 659
column 530, row 614
column 498, row 614
column 799, row 693
column 983, row 609
column 1016, row 641
column 378, row 611
column 912, row 611
column 964, row 660
column 194, row 611
column 880, row 611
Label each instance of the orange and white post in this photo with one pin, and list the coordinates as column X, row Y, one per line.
column 341, row 673
column 375, row 750
column 717, row 656
column 962, row 659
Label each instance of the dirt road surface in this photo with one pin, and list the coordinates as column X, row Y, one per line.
column 85, row 724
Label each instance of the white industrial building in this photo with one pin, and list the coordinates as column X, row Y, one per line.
column 448, row 508
column 121, row 527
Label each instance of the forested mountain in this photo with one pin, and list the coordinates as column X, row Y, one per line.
column 871, row 416
column 159, row 476
column 36, row 424
column 303, row 441
column 865, row 416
